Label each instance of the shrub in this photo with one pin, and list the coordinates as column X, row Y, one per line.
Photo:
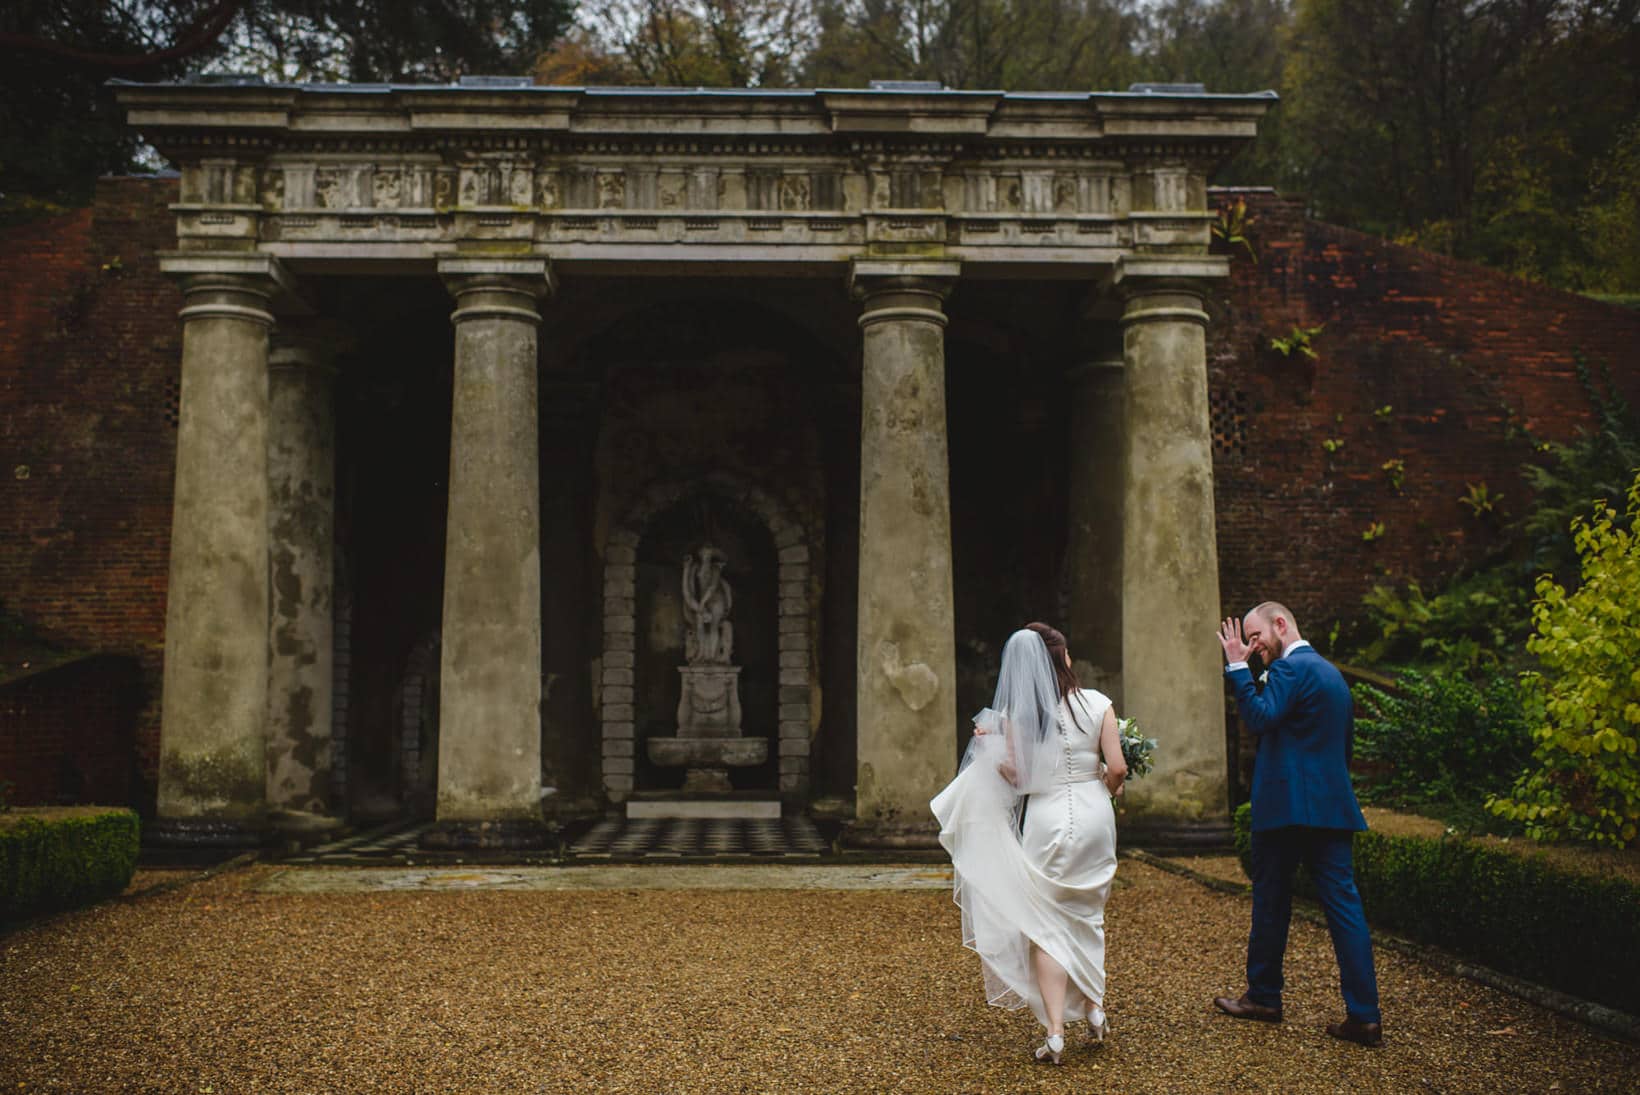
column 1574, row 932
column 59, row 859
column 1471, row 624
column 1599, row 464
column 1440, row 737
column 1586, row 699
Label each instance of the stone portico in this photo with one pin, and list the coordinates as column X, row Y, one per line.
column 567, row 228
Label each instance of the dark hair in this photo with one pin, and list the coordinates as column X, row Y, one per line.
column 1064, row 675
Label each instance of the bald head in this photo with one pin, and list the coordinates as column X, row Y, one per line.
column 1269, row 629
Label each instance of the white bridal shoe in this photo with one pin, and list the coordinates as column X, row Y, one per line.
column 1049, row 1052
column 1098, row 1032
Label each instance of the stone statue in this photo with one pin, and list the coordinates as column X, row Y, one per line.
column 709, row 740
column 707, row 601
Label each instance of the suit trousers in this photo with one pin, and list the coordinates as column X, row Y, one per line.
column 1277, row 854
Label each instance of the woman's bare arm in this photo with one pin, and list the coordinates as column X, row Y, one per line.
column 1110, row 745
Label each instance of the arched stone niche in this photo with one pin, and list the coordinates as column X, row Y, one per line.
column 794, row 596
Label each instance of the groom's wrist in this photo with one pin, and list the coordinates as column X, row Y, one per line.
column 1233, row 666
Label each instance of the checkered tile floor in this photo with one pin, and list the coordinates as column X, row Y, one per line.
column 610, row 839
column 388, row 843
column 700, row 838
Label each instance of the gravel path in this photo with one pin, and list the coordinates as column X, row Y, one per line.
column 221, row 987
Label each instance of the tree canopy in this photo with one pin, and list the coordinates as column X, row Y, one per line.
column 1505, row 131
column 58, row 126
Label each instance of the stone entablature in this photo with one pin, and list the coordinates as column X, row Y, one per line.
column 403, row 173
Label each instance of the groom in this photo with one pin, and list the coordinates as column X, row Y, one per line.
column 1304, row 811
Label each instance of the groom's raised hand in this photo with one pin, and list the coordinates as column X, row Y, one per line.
column 1231, row 639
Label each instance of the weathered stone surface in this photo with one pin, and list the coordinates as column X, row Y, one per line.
column 301, row 477
column 906, row 698
column 1171, row 678
column 215, row 703
column 708, row 752
column 1093, row 628
column 489, row 715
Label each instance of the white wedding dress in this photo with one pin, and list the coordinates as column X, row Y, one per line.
column 1046, row 884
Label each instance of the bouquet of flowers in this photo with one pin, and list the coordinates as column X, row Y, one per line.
column 1136, row 748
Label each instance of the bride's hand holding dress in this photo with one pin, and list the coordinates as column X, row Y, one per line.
column 1032, row 882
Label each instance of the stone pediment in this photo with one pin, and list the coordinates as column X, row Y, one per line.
column 802, row 181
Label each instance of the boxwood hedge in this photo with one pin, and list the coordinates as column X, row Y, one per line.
column 1573, row 932
column 55, row 859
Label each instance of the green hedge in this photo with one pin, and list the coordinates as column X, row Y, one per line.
column 1573, row 932
column 59, row 859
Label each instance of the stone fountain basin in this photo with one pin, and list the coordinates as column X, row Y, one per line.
column 708, row 752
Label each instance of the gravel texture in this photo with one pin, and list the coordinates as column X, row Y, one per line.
column 217, row 986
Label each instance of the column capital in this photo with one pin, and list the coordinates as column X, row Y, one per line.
column 870, row 276
column 534, row 275
column 497, row 288
column 895, row 289
column 1155, row 289
column 1174, row 290
column 1136, row 272
column 247, row 285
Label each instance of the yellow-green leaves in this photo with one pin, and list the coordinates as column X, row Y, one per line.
column 1585, row 783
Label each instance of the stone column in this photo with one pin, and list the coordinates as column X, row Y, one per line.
column 906, row 713
column 302, row 543
column 1171, row 663
column 213, row 766
column 1093, row 553
column 489, row 762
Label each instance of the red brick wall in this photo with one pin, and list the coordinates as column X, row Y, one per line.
column 1460, row 354
column 90, row 353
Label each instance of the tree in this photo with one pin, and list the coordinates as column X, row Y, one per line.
column 1227, row 46
column 59, row 128
column 1610, row 217
column 1467, row 126
column 1019, row 45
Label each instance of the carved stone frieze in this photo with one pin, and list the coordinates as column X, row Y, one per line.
column 416, row 172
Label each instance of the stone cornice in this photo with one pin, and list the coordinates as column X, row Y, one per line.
column 384, row 109
column 1058, row 184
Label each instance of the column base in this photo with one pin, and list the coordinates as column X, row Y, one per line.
column 911, row 838
column 1171, row 836
column 487, row 835
column 204, row 832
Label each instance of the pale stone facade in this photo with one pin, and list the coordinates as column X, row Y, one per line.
column 512, row 193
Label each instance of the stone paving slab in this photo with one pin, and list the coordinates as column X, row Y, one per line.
column 339, row 880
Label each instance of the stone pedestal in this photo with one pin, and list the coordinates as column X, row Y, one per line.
column 301, row 478
column 906, row 672
column 213, row 767
column 1172, row 679
column 709, row 742
column 489, row 763
column 1093, row 552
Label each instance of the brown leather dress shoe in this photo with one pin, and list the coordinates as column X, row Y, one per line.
column 1244, row 1008
column 1362, row 1034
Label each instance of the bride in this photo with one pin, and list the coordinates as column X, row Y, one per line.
column 1033, row 894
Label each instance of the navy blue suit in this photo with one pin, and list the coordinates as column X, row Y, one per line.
column 1304, row 811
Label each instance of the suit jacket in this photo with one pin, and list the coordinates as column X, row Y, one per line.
column 1305, row 724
